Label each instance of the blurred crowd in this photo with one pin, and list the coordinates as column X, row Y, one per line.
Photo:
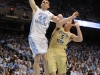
column 16, row 57
column 84, row 58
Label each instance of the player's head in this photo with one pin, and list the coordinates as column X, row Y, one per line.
column 69, row 24
column 45, row 4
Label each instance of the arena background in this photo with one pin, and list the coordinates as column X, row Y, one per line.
column 15, row 19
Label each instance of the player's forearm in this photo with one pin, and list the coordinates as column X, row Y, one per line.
column 64, row 21
column 33, row 4
column 79, row 34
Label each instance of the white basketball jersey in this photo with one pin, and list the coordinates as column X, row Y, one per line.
column 40, row 21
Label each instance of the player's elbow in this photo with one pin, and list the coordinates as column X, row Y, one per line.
column 80, row 40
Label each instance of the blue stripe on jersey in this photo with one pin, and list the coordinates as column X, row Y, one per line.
column 48, row 26
column 31, row 24
column 33, row 46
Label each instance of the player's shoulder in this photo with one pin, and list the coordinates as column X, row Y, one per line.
column 48, row 12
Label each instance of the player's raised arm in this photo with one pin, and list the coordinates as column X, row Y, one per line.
column 33, row 5
column 64, row 21
column 79, row 37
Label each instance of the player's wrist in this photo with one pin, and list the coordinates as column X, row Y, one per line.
column 72, row 16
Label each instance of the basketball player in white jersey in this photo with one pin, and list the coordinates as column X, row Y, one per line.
column 37, row 40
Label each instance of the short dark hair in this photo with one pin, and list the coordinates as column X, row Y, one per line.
column 47, row 0
column 73, row 22
column 63, row 25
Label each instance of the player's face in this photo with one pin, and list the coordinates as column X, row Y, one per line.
column 68, row 25
column 45, row 5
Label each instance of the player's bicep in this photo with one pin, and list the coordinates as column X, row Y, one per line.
column 54, row 18
column 33, row 5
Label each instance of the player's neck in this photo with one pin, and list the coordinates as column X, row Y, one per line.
column 66, row 30
column 43, row 9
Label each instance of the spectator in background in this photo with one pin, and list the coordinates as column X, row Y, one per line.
column 11, row 11
column 25, row 15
